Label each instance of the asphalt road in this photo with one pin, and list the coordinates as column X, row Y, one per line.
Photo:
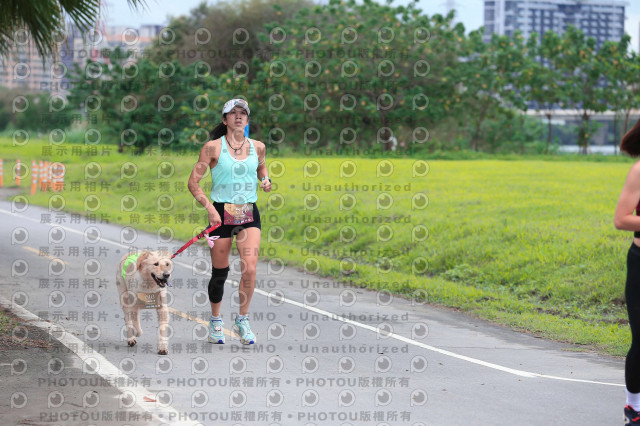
column 327, row 353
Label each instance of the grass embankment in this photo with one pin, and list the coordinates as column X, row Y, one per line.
column 529, row 244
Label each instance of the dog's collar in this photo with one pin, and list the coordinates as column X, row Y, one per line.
column 132, row 258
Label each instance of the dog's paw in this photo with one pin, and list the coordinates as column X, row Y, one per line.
column 138, row 332
column 163, row 351
column 131, row 342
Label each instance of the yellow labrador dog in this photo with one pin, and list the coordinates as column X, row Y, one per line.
column 142, row 280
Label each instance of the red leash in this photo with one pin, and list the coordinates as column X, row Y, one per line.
column 196, row 238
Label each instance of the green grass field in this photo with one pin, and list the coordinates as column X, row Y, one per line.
column 529, row 244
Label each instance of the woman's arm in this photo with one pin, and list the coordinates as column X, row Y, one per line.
column 624, row 218
column 201, row 168
column 263, row 173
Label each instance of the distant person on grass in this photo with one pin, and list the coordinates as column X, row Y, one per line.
column 236, row 164
column 626, row 220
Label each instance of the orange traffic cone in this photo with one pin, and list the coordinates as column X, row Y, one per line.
column 34, row 176
column 17, row 173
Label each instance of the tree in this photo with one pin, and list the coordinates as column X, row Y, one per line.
column 45, row 20
column 346, row 74
column 138, row 103
column 583, row 69
column 544, row 78
column 513, row 60
column 38, row 111
column 632, row 63
column 204, row 111
column 619, row 80
column 490, row 78
column 223, row 35
column 7, row 98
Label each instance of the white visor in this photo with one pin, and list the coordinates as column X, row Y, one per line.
column 234, row 103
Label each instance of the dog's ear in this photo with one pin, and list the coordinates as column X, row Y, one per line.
column 143, row 257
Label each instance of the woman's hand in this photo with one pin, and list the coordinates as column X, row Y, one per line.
column 266, row 185
column 214, row 217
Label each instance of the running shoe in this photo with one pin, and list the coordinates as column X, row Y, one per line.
column 216, row 335
column 243, row 329
column 631, row 416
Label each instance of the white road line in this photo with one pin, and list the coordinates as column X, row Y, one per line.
column 401, row 338
column 425, row 346
column 105, row 369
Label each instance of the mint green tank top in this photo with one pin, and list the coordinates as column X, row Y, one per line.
column 235, row 181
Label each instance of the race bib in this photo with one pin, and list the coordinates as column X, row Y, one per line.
column 237, row 214
column 148, row 300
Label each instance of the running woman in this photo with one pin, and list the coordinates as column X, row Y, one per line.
column 236, row 164
column 626, row 220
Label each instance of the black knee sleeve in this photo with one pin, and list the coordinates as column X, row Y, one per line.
column 216, row 284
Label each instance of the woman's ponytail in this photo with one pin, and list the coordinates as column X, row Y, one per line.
column 631, row 141
column 219, row 131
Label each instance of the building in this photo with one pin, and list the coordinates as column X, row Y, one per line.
column 23, row 67
column 601, row 19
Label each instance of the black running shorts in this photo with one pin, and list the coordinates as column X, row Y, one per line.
column 228, row 231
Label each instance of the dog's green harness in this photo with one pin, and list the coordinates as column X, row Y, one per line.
column 132, row 258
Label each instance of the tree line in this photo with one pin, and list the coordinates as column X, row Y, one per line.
column 349, row 76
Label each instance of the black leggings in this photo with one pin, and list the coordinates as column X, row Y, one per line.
column 632, row 295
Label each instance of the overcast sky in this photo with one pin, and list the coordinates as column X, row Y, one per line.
column 470, row 13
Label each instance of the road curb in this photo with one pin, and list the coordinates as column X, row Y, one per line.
column 94, row 363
